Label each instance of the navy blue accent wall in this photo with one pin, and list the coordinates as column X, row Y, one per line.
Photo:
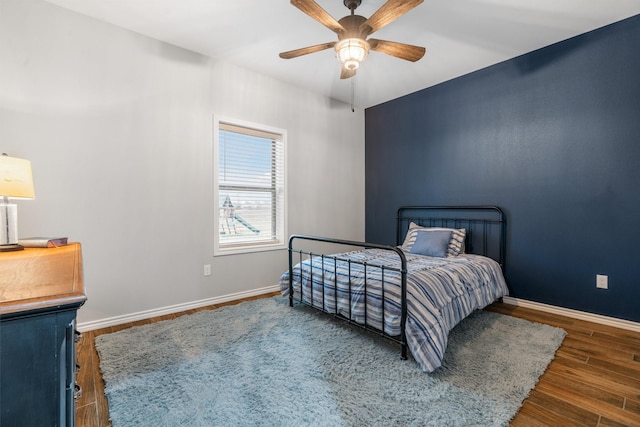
column 552, row 137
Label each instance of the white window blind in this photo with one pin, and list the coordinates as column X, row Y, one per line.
column 250, row 187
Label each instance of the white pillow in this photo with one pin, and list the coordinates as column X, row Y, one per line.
column 456, row 244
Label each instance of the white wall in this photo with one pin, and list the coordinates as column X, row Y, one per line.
column 118, row 128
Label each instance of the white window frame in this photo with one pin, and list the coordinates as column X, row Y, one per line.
column 281, row 217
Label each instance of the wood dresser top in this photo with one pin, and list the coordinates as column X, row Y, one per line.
column 36, row 278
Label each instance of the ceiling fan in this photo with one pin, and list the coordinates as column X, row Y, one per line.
column 352, row 46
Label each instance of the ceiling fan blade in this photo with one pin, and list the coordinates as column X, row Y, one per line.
column 346, row 73
column 399, row 50
column 314, row 10
column 306, row 50
column 389, row 12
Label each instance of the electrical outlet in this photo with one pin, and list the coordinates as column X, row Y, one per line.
column 602, row 281
column 207, row 269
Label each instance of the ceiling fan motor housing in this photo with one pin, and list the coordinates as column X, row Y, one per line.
column 351, row 25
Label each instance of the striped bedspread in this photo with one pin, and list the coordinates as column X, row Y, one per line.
column 440, row 293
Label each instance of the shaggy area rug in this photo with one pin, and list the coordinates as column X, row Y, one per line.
column 262, row 363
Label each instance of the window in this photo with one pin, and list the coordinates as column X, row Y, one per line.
column 249, row 187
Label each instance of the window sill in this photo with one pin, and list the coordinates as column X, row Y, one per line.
column 248, row 249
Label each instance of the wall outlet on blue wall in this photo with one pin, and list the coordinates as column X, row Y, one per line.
column 602, row 281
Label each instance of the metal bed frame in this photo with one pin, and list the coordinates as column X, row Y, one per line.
column 485, row 235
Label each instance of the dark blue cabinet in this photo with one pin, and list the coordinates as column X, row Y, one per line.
column 40, row 293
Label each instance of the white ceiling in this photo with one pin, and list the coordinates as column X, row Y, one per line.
column 460, row 36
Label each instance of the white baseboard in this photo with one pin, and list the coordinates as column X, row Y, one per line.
column 141, row 315
column 582, row 315
column 133, row 317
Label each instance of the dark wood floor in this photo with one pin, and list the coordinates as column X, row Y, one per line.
column 593, row 381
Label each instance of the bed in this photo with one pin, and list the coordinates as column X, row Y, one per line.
column 447, row 262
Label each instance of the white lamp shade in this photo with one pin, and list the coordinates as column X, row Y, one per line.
column 351, row 52
column 16, row 180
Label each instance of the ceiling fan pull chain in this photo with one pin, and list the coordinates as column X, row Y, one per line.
column 353, row 89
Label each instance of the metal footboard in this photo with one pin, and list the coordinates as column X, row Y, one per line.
column 401, row 339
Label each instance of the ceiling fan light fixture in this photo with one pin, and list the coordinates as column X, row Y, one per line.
column 351, row 52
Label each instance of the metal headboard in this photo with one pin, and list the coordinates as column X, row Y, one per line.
column 486, row 226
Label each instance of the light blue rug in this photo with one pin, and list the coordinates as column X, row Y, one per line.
column 262, row 363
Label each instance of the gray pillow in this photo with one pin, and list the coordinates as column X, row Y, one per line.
column 432, row 243
column 456, row 244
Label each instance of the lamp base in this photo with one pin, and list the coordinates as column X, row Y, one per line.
column 11, row 247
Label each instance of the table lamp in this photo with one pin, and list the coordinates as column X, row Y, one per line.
column 16, row 182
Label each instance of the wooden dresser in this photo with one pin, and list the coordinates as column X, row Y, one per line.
column 40, row 293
